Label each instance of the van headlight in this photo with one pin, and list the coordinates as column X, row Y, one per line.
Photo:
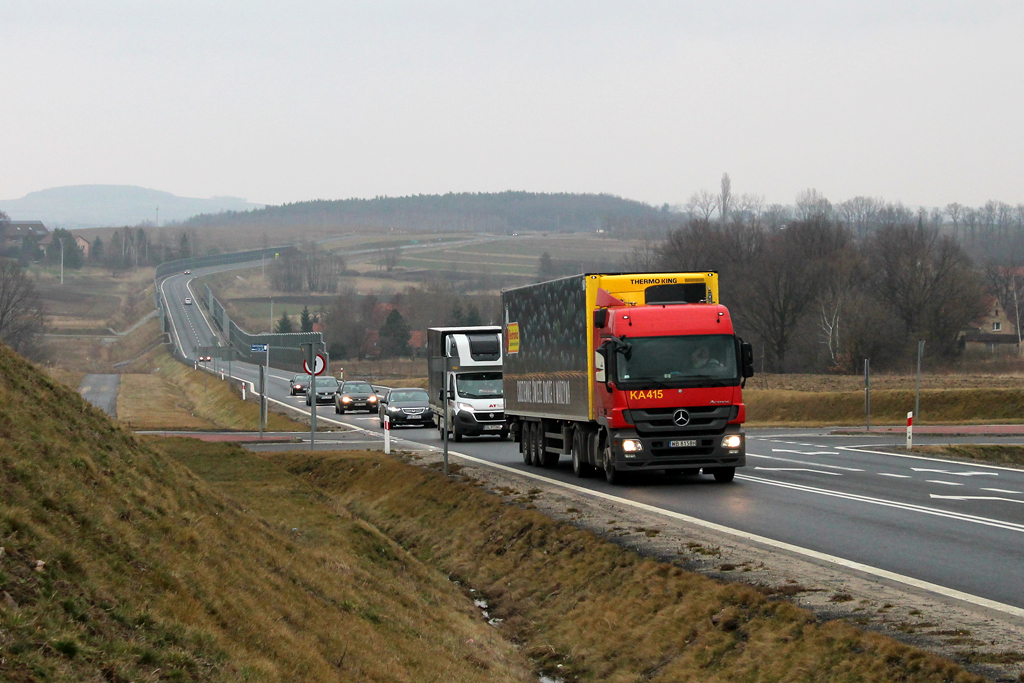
column 464, row 406
column 732, row 441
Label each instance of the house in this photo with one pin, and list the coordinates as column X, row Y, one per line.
column 17, row 230
column 83, row 246
column 993, row 332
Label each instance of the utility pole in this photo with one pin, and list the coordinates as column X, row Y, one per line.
column 917, row 399
column 271, row 320
column 60, row 240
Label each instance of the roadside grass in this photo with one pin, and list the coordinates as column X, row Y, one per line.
column 945, row 406
column 93, row 299
column 585, row 609
column 120, row 564
column 176, row 396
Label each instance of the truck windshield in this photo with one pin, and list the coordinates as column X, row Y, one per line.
column 479, row 384
column 692, row 359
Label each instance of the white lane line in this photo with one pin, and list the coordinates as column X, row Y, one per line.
column 763, row 540
column 1008, row 500
column 898, row 476
column 909, row 507
column 956, row 474
column 947, row 483
column 786, row 450
column 1019, row 493
column 857, row 449
column 801, row 462
column 796, row 469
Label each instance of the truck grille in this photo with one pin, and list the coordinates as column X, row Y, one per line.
column 710, row 420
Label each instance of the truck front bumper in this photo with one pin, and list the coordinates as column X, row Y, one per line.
column 677, row 452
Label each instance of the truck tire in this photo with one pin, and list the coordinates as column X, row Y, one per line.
column 723, row 475
column 538, row 443
column 524, row 441
column 610, row 475
column 580, row 467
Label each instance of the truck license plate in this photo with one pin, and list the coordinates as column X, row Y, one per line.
column 493, row 427
column 682, row 443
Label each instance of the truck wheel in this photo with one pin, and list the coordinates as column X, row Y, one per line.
column 579, row 467
column 610, row 475
column 724, row 475
column 525, row 439
column 538, row 444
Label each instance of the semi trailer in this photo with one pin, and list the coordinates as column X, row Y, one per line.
column 464, row 380
column 625, row 372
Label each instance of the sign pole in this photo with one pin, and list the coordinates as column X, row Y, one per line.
column 917, row 398
column 266, row 403
column 867, row 393
column 263, row 398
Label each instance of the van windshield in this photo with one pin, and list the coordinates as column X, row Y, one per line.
column 696, row 359
column 479, row 384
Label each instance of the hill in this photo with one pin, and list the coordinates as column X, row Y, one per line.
column 501, row 212
column 89, row 206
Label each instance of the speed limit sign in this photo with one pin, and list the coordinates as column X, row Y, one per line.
column 320, row 364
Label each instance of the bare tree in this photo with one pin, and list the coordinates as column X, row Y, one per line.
column 811, row 204
column 21, row 312
column 725, row 198
column 702, row 204
column 955, row 212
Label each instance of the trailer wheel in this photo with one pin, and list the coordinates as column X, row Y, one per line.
column 525, row 439
column 724, row 475
column 537, row 454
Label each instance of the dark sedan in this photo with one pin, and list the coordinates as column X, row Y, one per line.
column 326, row 387
column 355, row 395
column 299, row 384
column 406, row 406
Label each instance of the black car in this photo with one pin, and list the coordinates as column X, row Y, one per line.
column 405, row 406
column 299, row 384
column 326, row 387
column 355, row 395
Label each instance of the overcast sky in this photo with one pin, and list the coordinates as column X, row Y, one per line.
column 920, row 101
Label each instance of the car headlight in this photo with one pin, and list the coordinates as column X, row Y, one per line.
column 372, row 399
column 732, row 441
column 464, row 406
column 392, row 409
column 346, row 399
column 632, row 445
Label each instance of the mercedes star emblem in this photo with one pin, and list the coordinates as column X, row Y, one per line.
column 681, row 417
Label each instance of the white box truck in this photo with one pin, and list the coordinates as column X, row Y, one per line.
column 464, row 370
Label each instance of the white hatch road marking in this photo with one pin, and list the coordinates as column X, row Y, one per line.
column 947, row 483
column 801, row 462
column 763, row 540
column 890, row 474
column 858, row 449
column 787, row 450
column 1008, row 500
column 1019, row 493
column 796, row 469
column 956, row 474
column 910, row 507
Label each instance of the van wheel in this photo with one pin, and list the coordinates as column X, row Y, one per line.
column 723, row 475
column 456, row 432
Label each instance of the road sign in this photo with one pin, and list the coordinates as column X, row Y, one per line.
column 320, row 363
column 257, row 348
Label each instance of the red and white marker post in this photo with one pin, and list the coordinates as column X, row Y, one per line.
column 387, row 434
column 910, row 430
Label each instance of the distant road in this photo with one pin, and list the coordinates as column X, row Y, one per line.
column 101, row 391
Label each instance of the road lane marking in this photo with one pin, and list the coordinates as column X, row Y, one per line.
column 787, row 450
column 1008, row 500
column 956, row 474
column 796, row 469
column 801, row 462
column 898, row 476
column 947, row 483
column 856, row 449
column 1020, row 493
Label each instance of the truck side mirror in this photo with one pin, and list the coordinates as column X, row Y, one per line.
column 600, row 318
column 747, row 359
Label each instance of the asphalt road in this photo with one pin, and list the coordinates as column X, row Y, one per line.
column 101, row 391
column 952, row 528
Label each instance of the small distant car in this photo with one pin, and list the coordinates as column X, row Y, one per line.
column 299, row 384
column 405, row 406
column 205, row 359
column 355, row 395
column 188, row 301
column 188, row 272
column 326, row 387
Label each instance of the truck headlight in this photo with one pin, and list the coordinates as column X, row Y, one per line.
column 464, row 406
column 732, row 441
column 632, row 446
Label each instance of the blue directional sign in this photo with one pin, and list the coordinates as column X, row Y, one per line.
column 257, row 348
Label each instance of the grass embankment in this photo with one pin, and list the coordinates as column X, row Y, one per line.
column 948, row 406
column 177, row 397
column 119, row 564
